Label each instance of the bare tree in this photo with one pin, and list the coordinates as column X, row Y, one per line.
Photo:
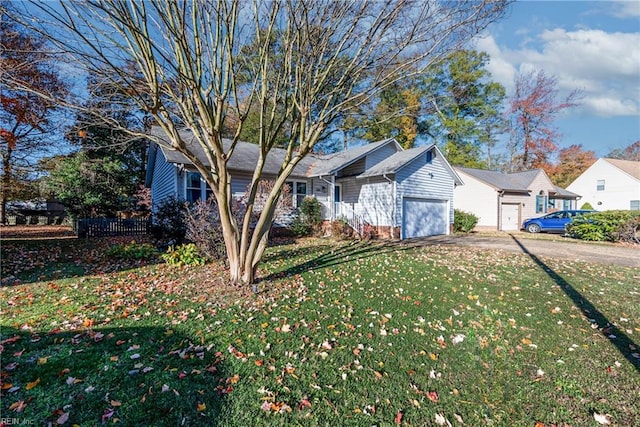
column 312, row 61
column 534, row 107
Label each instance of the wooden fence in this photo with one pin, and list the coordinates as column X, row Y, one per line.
column 105, row 227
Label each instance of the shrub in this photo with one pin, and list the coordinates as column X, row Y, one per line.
column 601, row 226
column 629, row 232
column 586, row 206
column 169, row 219
column 464, row 221
column 309, row 219
column 187, row 254
column 203, row 228
column 340, row 229
column 132, row 251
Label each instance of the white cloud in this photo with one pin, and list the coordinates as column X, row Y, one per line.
column 604, row 65
column 626, row 9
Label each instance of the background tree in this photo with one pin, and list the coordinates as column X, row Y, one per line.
column 468, row 107
column 572, row 161
column 86, row 186
column 453, row 102
column 631, row 152
column 332, row 56
column 26, row 67
column 534, row 106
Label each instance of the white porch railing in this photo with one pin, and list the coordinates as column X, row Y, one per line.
column 348, row 211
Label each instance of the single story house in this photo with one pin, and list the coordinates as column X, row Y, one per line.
column 503, row 200
column 402, row 193
column 610, row 184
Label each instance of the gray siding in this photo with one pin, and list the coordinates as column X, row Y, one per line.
column 353, row 169
column 380, row 154
column 415, row 180
column 163, row 183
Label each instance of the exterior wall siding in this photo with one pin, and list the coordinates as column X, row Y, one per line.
column 375, row 201
column 423, row 180
column 353, row 169
column 164, row 181
column 380, row 154
column 478, row 198
column 619, row 188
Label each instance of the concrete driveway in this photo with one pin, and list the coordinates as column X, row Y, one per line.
column 600, row 253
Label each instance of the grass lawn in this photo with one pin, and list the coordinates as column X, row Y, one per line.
column 340, row 334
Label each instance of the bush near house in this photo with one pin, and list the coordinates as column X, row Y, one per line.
column 586, row 206
column 464, row 221
column 308, row 221
column 611, row 226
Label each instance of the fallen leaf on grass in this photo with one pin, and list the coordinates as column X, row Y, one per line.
column 18, row 406
column 32, row 384
column 604, row 419
column 201, row 407
column 398, row 418
column 63, row 418
column 442, row 421
column 432, row 396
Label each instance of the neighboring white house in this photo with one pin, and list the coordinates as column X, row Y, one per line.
column 610, row 184
column 402, row 193
column 502, row 201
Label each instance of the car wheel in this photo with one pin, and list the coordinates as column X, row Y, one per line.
column 533, row 228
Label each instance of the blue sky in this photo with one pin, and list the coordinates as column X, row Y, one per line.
column 592, row 46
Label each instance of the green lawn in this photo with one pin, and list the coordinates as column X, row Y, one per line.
column 340, row 334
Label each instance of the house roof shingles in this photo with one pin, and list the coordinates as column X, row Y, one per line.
column 501, row 181
column 244, row 158
column 630, row 167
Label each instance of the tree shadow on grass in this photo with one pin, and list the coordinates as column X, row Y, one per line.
column 615, row 335
column 137, row 376
column 331, row 254
column 28, row 261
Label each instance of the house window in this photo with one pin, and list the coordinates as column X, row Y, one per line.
column 634, row 205
column 194, row 192
column 541, row 204
column 566, row 204
column 430, row 156
column 600, row 185
column 298, row 192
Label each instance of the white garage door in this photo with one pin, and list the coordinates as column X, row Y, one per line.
column 510, row 219
column 424, row 217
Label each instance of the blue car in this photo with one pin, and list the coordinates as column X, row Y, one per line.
column 555, row 221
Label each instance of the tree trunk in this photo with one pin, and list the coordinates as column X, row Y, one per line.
column 5, row 182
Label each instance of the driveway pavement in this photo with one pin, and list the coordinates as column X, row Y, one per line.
column 606, row 254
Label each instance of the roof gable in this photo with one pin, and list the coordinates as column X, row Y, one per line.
column 402, row 158
column 332, row 163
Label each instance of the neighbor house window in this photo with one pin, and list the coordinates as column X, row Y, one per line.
column 600, row 185
column 634, row 205
column 194, row 192
column 298, row 192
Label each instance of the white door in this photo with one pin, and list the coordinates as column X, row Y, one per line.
column 424, row 217
column 510, row 218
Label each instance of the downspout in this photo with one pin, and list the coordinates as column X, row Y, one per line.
column 393, row 205
column 500, row 195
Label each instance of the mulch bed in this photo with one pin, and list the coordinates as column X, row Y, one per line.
column 28, row 232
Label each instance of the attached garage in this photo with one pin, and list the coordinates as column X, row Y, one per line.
column 424, row 217
column 510, row 217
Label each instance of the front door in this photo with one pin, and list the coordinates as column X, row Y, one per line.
column 337, row 199
column 509, row 217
